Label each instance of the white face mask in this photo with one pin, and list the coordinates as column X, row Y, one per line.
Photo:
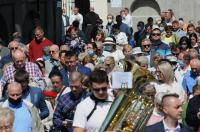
column 109, row 20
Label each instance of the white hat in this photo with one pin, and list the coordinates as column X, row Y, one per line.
column 137, row 50
column 171, row 58
column 109, row 40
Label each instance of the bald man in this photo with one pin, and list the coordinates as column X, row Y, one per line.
column 37, row 44
column 172, row 109
column 67, row 103
column 190, row 77
column 19, row 61
column 26, row 115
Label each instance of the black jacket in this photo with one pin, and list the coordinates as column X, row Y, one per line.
column 191, row 113
column 159, row 127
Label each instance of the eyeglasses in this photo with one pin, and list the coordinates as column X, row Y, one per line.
column 148, row 45
column 156, row 34
column 100, row 89
column 175, row 54
column 13, row 48
column 52, row 52
column 56, row 82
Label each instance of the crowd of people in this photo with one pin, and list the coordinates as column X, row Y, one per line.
column 68, row 86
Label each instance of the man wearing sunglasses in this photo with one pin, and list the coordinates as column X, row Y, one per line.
column 157, row 45
column 91, row 112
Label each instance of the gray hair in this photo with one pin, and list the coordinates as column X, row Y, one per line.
column 8, row 115
column 142, row 60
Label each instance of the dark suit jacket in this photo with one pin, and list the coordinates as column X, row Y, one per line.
column 82, row 69
column 159, row 127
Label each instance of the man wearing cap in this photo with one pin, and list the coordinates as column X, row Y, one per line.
column 111, row 50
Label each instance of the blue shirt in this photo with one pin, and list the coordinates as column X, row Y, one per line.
column 189, row 81
column 23, row 119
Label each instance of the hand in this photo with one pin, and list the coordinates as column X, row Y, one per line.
column 198, row 115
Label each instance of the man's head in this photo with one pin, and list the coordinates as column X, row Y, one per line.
column 99, row 84
column 195, row 66
column 109, row 63
column 54, row 51
column 175, row 25
column 126, row 11
column 62, row 57
column 56, row 80
column 142, row 62
column 172, row 106
column 119, row 19
column 14, row 93
column 156, row 34
column 76, row 10
column 70, row 61
column 146, row 43
column 110, row 18
column 76, row 83
column 6, row 120
column 22, row 76
column 91, row 48
column 39, row 34
column 19, row 58
column 13, row 45
column 127, row 51
column 109, row 44
column 190, row 29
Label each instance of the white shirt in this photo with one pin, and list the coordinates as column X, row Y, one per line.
column 78, row 17
column 167, row 129
column 128, row 20
column 95, row 121
column 173, row 88
column 121, row 38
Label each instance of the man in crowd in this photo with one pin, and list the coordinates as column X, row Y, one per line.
column 6, row 120
column 190, row 77
column 171, row 107
column 54, row 58
column 37, row 44
column 91, row 112
column 89, row 22
column 26, row 115
column 19, row 61
column 76, row 16
column 57, row 83
column 66, row 106
column 31, row 94
column 71, row 64
column 6, row 60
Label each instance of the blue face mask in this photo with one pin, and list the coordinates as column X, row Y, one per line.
column 108, row 48
column 90, row 52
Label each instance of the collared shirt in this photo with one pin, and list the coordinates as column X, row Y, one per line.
column 167, row 129
column 9, row 72
column 188, row 82
column 66, row 107
column 23, row 119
